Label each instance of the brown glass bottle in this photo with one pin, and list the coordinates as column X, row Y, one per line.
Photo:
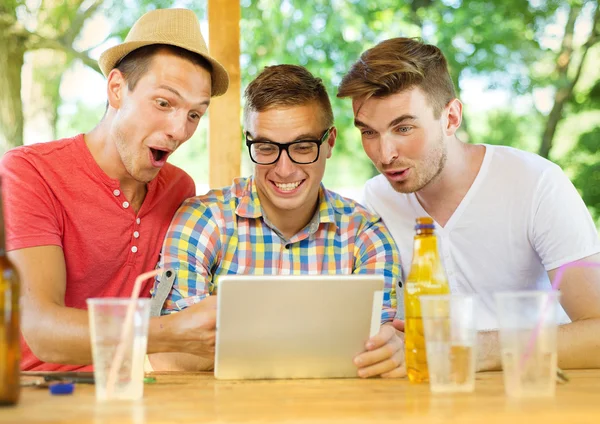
column 10, row 354
column 426, row 277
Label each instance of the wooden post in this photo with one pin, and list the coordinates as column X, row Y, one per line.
column 224, row 144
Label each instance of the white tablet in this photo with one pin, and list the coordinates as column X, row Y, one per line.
column 280, row 326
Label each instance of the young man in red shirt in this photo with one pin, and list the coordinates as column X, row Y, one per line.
column 86, row 215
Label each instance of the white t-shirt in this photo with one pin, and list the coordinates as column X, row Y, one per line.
column 521, row 218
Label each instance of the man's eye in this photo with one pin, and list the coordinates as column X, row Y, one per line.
column 304, row 147
column 265, row 148
column 367, row 133
column 162, row 103
column 403, row 130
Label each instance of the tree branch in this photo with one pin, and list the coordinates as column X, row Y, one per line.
column 565, row 91
column 592, row 39
column 37, row 42
column 566, row 46
column 33, row 41
column 79, row 20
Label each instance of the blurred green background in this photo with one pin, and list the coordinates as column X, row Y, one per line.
column 528, row 72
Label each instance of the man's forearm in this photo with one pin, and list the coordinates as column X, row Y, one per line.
column 65, row 339
column 578, row 346
column 61, row 337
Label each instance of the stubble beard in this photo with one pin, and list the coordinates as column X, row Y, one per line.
column 127, row 155
column 430, row 168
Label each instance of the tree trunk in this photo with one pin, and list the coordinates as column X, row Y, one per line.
column 560, row 99
column 12, row 55
column 566, row 85
column 42, row 99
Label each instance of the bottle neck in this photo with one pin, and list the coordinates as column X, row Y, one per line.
column 425, row 245
column 2, row 247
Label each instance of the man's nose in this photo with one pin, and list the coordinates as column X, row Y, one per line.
column 284, row 165
column 178, row 127
column 388, row 146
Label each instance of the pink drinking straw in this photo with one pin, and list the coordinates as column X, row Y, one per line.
column 126, row 330
column 555, row 287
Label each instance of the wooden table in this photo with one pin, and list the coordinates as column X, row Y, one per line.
column 193, row 398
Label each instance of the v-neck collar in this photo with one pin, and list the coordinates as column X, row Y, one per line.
column 483, row 169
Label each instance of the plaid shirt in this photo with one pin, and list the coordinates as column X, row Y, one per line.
column 225, row 232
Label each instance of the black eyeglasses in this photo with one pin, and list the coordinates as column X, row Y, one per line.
column 301, row 152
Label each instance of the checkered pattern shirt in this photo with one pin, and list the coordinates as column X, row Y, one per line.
column 225, row 232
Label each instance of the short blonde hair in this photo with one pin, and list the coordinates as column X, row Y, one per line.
column 285, row 86
column 399, row 64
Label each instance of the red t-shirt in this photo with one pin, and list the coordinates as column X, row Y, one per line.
column 56, row 194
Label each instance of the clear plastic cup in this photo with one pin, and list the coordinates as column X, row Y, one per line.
column 107, row 317
column 528, row 327
column 450, row 342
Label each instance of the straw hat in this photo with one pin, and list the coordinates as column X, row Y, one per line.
column 176, row 27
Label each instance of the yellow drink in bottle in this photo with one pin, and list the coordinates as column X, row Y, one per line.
column 426, row 276
column 10, row 342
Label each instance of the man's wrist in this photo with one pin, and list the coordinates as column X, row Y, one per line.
column 161, row 334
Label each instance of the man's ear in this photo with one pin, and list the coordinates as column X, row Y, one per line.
column 453, row 117
column 115, row 88
column 331, row 141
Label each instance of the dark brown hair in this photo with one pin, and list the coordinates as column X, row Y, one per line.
column 285, row 86
column 399, row 64
column 136, row 64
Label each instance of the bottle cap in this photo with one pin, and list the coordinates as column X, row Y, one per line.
column 62, row 388
column 425, row 222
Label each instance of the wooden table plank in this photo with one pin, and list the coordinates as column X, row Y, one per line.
column 191, row 398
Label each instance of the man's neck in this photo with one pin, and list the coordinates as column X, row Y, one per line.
column 104, row 152
column 441, row 197
column 289, row 223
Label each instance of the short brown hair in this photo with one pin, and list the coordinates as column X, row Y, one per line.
column 136, row 64
column 399, row 64
column 285, row 86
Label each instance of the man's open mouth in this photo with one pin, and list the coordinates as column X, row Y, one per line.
column 158, row 155
column 398, row 175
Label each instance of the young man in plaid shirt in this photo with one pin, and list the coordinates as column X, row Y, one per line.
column 282, row 220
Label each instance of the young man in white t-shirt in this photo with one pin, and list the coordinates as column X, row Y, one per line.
column 506, row 219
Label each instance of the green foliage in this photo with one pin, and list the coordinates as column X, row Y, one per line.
column 499, row 39
column 584, row 162
column 505, row 41
column 505, row 127
column 123, row 13
column 81, row 118
column 587, row 96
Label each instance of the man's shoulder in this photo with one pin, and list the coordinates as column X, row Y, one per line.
column 509, row 167
column 345, row 206
column 511, row 159
column 219, row 199
column 224, row 195
column 39, row 154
